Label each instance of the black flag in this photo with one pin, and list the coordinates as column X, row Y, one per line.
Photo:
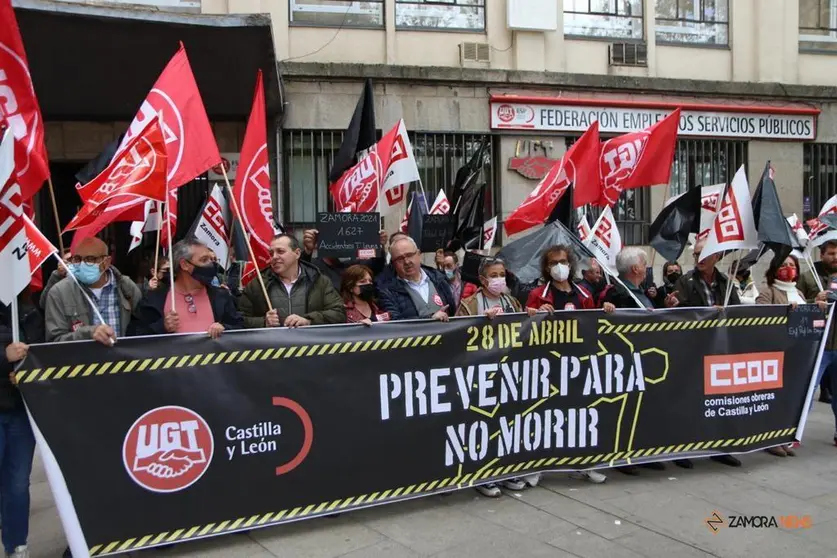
column 359, row 136
column 774, row 230
column 523, row 256
column 669, row 232
column 468, row 201
column 415, row 222
column 99, row 163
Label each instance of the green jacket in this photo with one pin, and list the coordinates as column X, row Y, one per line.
column 808, row 286
column 312, row 296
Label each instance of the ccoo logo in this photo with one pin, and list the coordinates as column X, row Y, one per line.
column 168, row 449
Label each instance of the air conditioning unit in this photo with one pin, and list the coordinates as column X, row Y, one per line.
column 628, row 54
column 470, row 53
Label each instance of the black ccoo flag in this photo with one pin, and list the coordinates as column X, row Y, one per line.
column 360, row 135
column 774, row 230
column 670, row 231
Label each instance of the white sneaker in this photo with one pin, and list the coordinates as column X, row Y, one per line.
column 489, row 490
column 514, row 484
column 532, row 480
column 20, row 552
column 590, row 476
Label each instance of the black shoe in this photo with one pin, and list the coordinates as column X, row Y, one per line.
column 67, row 553
column 629, row 470
column 684, row 463
column 655, row 466
column 727, row 460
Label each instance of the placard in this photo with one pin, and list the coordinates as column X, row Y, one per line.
column 348, row 235
column 807, row 322
column 436, row 232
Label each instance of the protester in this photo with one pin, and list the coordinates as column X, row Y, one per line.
column 17, row 442
column 631, row 264
column 453, row 273
column 199, row 306
column 705, row 286
column 559, row 292
column 158, row 277
column 69, row 316
column 409, row 290
column 671, row 273
column 333, row 268
column 744, row 285
column 593, row 280
column 299, row 293
column 439, row 259
column 54, row 277
column 358, row 292
column 826, row 269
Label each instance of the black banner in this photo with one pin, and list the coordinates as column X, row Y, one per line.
column 161, row 440
column 350, row 235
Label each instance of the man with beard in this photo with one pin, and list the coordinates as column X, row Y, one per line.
column 593, row 280
column 827, row 270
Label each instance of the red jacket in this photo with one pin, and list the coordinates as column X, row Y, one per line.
column 542, row 294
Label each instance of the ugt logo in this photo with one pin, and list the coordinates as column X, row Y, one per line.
column 168, row 449
column 620, row 157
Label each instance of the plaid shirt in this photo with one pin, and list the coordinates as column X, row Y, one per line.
column 709, row 289
column 108, row 304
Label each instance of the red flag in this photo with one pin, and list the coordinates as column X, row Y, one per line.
column 190, row 143
column 39, row 248
column 139, row 172
column 19, row 106
column 252, row 181
column 579, row 165
column 638, row 159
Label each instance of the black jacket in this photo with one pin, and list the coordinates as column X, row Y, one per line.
column 151, row 312
column 333, row 269
column 690, row 292
column 31, row 331
column 394, row 298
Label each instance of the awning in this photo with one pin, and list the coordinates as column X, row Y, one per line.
column 98, row 62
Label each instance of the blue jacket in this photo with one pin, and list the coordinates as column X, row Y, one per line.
column 394, row 298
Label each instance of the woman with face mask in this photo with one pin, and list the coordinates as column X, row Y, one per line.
column 559, row 292
column 358, row 292
column 453, row 275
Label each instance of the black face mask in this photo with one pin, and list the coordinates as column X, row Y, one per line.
column 673, row 276
column 205, row 274
column 367, row 292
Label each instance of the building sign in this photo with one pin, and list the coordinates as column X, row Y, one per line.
column 230, row 162
column 717, row 121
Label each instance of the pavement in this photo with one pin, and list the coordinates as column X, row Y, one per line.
column 659, row 514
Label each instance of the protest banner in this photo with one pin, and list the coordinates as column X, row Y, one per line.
column 191, row 437
column 350, row 235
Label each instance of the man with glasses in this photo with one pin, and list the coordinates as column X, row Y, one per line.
column 409, row 290
column 69, row 316
column 199, row 306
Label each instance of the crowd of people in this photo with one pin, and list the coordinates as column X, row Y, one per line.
column 299, row 289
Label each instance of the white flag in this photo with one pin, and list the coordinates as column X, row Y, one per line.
column 14, row 253
column 441, row 206
column 489, row 233
column 583, row 228
column 710, row 199
column 401, row 172
column 798, row 229
column 734, row 227
column 151, row 222
column 213, row 225
column 605, row 241
column 821, row 233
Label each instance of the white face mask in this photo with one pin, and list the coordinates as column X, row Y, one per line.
column 560, row 272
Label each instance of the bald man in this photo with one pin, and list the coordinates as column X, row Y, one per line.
column 69, row 316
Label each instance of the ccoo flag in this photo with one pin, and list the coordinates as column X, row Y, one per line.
column 212, row 227
column 604, row 241
column 734, row 227
column 13, row 241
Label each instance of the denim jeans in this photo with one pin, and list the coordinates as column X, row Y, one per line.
column 17, row 449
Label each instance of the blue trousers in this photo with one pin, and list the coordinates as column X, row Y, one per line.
column 17, row 449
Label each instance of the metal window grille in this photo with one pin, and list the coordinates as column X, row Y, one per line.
column 617, row 19
column 440, row 14
column 705, row 162
column 819, row 176
column 337, row 13
column 309, row 154
column 818, row 24
column 693, row 21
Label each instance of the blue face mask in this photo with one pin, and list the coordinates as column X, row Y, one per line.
column 86, row 273
column 450, row 274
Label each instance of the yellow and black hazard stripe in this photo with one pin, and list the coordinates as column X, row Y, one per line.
column 606, row 328
column 231, row 357
column 450, row 483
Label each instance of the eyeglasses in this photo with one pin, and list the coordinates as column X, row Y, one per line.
column 87, row 259
column 401, row 259
column 190, row 304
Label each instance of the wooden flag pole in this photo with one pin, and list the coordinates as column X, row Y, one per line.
column 157, row 245
column 249, row 246
column 55, row 214
column 733, row 271
column 171, row 256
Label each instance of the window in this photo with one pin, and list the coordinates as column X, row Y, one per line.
column 704, row 22
column 440, row 14
column 819, row 176
column 818, row 24
column 612, row 19
column 705, row 162
column 338, row 13
column 308, row 155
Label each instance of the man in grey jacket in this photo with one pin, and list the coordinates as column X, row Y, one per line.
column 69, row 316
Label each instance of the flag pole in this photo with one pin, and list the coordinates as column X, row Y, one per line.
column 249, row 246
column 733, row 271
column 157, row 245
column 171, row 256
column 55, row 214
column 15, row 321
